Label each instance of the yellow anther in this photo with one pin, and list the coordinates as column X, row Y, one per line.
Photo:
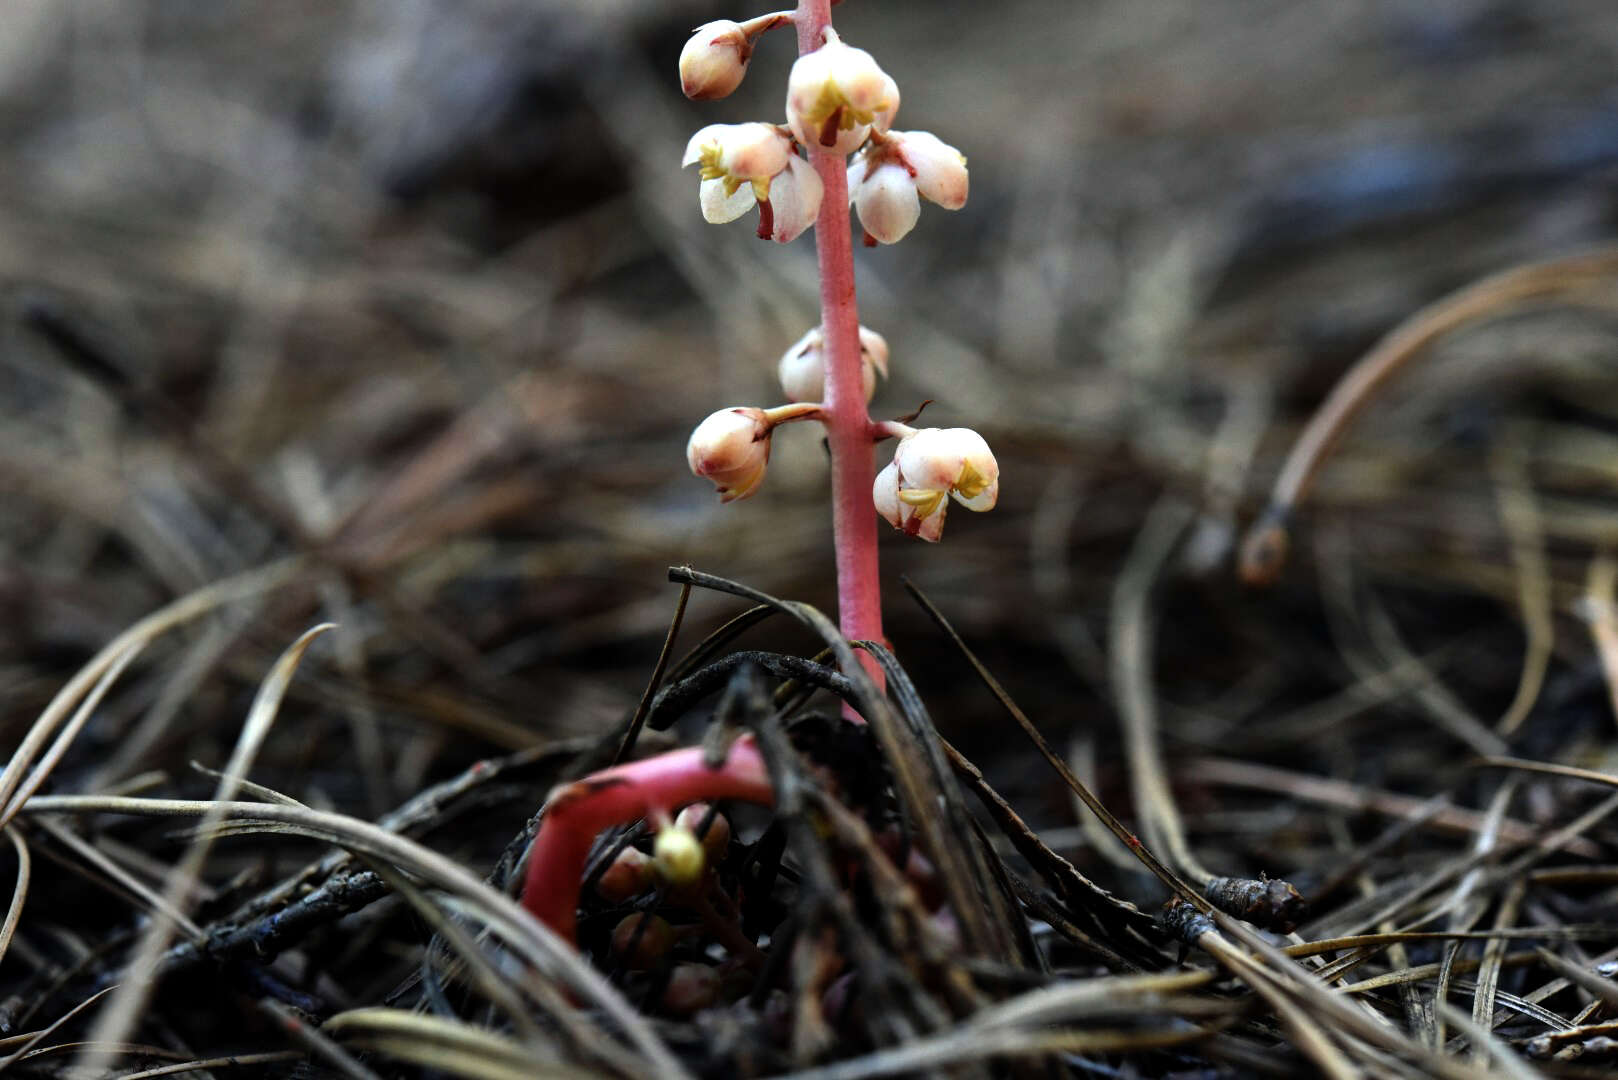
column 971, row 482
column 925, row 502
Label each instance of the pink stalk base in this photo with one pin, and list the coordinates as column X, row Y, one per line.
column 578, row 813
column 581, row 811
column 848, row 425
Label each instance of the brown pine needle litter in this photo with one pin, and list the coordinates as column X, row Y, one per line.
column 346, row 355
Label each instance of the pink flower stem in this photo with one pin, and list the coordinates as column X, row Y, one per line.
column 848, row 425
column 576, row 814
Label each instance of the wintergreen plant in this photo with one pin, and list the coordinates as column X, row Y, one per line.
column 836, row 149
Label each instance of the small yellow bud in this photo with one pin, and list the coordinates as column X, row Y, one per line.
column 678, row 856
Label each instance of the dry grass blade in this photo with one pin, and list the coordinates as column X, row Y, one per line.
column 485, row 978
column 122, row 1013
column 19, row 894
column 1130, row 646
column 1020, row 1026
column 437, row 1042
column 1468, row 900
column 922, row 778
column 70, row 731
column 632, row 730
column 316, row 1042
column 532, row 941
column 27, row 1045
column 1570, row 772
column 705, row 650
column 1509, row 1063
column 1604, row 989
column 1488, row 981
column 968, row 1046
column 1567, row 279
column 1434, row 813
column 134, row 639
column 202, row 1064
column 1601, row 609
column 1307, row 1035
column 1162, row 872
column 168, row 910
column 1301, row 987
column 1519, row 512
column 1117, row 925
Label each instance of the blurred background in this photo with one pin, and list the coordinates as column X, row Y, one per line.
column 416, row 290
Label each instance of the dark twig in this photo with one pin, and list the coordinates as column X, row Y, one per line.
column 918, row 787
column 632, row 729
column 675, row 698
column 1131, row 841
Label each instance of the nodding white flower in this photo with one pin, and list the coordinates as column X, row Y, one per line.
column 803, row 367
column 747, row 165
column 889, row 177
column 930, row 467
column 731, row 448
column 714, row 60
column 837, row 94
column 794, row 202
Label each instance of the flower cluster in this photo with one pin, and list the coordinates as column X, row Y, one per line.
column 839, row 100
column 839, row 103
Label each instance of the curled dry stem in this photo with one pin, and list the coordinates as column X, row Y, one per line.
column 1566, row 280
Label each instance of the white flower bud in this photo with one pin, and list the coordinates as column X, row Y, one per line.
column 731, row 448
column 873, row 352
column 714, row 60
column 939, row 168
column 835, row 94
column 795, row 197
column 885, row 199
column 889, row 176
column 803, row 366
column 928, row 467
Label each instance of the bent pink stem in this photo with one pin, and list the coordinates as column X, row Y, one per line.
column 576, row 814
column 859, row 594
